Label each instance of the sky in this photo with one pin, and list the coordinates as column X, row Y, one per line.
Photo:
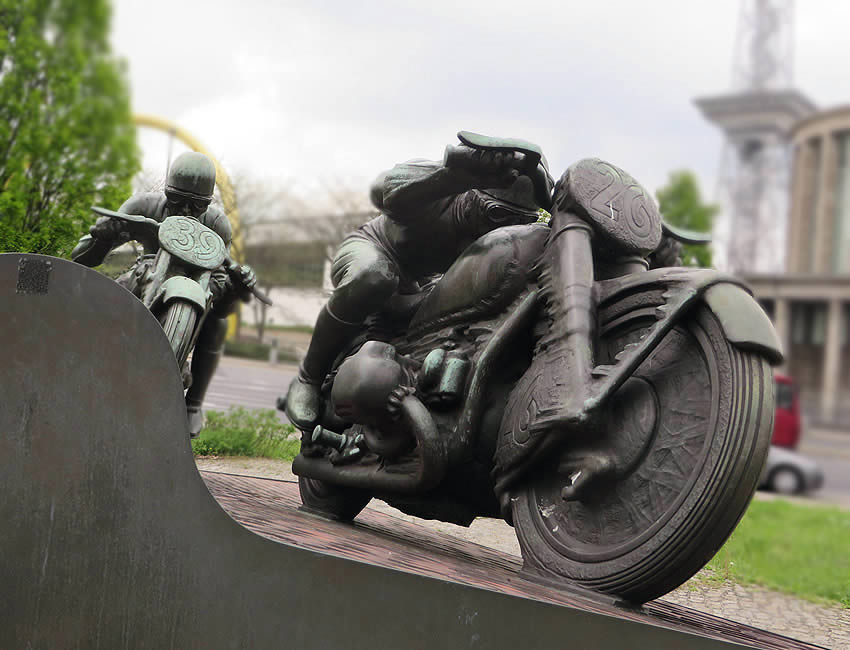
column 315, row 93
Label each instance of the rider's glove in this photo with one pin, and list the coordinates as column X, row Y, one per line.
column 247, row 276
column 494, row 169
column 106, row 229
column 248, row 280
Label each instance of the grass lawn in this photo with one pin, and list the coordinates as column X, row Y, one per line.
column 244, row 432
column 796, row 549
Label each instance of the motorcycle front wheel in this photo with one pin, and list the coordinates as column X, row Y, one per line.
column 333, row 501
column 691, row 435
column 178, row 322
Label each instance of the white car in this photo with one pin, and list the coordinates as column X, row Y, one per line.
column 789, row 472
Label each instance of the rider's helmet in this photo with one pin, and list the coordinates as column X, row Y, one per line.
column 190, row 184
column 518, row 202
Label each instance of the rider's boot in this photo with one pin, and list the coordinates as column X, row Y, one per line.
column 205, row 359
column 330, row 337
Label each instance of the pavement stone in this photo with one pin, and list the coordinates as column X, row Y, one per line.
column 825, row 625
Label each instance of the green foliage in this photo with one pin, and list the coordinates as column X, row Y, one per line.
column 67, row 139
column 243, row 432
column 801, row 550
column 259, row 351
column 681, row 205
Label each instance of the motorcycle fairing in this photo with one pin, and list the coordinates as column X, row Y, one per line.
column 189, row 240
column 484, row 280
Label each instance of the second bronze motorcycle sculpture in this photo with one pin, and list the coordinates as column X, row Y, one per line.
column 618, row 417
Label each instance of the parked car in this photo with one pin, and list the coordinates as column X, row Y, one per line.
column 786, row 471
column 787, row 423
column 789, row 472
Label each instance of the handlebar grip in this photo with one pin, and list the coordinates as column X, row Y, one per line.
column 461, row 156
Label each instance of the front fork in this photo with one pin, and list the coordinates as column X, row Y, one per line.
column 568, row 281
column 567, row 351
column 568, row 291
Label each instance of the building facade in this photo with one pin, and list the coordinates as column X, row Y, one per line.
column 810, row 303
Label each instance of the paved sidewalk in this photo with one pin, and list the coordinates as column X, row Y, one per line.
column 828, row 626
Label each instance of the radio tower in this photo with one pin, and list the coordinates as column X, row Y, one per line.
column 756, row 119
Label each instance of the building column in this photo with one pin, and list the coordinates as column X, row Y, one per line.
column 825, row 209
column 782, row 325
column 831, row 378
column 800, row 217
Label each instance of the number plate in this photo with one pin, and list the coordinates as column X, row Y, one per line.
column 614, row 203
column 191, row 241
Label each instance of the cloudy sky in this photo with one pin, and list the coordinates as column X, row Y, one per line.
column 312, row 92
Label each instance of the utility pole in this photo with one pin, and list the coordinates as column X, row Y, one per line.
column 756, row 119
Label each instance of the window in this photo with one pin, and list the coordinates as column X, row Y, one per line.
column 808, row 323
column 784, row 396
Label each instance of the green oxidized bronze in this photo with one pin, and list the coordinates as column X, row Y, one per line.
column 185, row 276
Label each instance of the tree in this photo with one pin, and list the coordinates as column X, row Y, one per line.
column 289, row 239
column 681, row 205
column 67, row 139
column 260, row 201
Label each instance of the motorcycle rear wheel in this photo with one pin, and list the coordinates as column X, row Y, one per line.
column 644, row 533
column 178, row 322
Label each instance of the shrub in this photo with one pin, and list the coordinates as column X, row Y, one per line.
column 260, row 351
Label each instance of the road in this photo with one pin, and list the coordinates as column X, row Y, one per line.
column 256, row 384
column 831, row 450
column 252, row 384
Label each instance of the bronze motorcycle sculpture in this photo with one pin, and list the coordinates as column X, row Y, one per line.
column 176, row 285
column 618, row 417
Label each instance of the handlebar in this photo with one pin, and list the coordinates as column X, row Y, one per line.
column 230, row 264
column 233, row 267
column 685, row 236
column 132, row 218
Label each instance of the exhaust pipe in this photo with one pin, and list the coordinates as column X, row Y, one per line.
column 427, row 473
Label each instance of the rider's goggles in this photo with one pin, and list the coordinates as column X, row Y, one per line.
column 503, row 212
column 177, row 199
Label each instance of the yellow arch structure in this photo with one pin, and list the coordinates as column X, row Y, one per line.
column 225, row 188
column 228, row 196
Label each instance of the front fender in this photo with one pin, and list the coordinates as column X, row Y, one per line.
column 181, row 287
column 743, row 320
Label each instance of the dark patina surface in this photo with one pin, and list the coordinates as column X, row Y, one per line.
column 110, row 537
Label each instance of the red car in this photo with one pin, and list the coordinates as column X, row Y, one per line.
column 787, row 471
column 786, row 426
